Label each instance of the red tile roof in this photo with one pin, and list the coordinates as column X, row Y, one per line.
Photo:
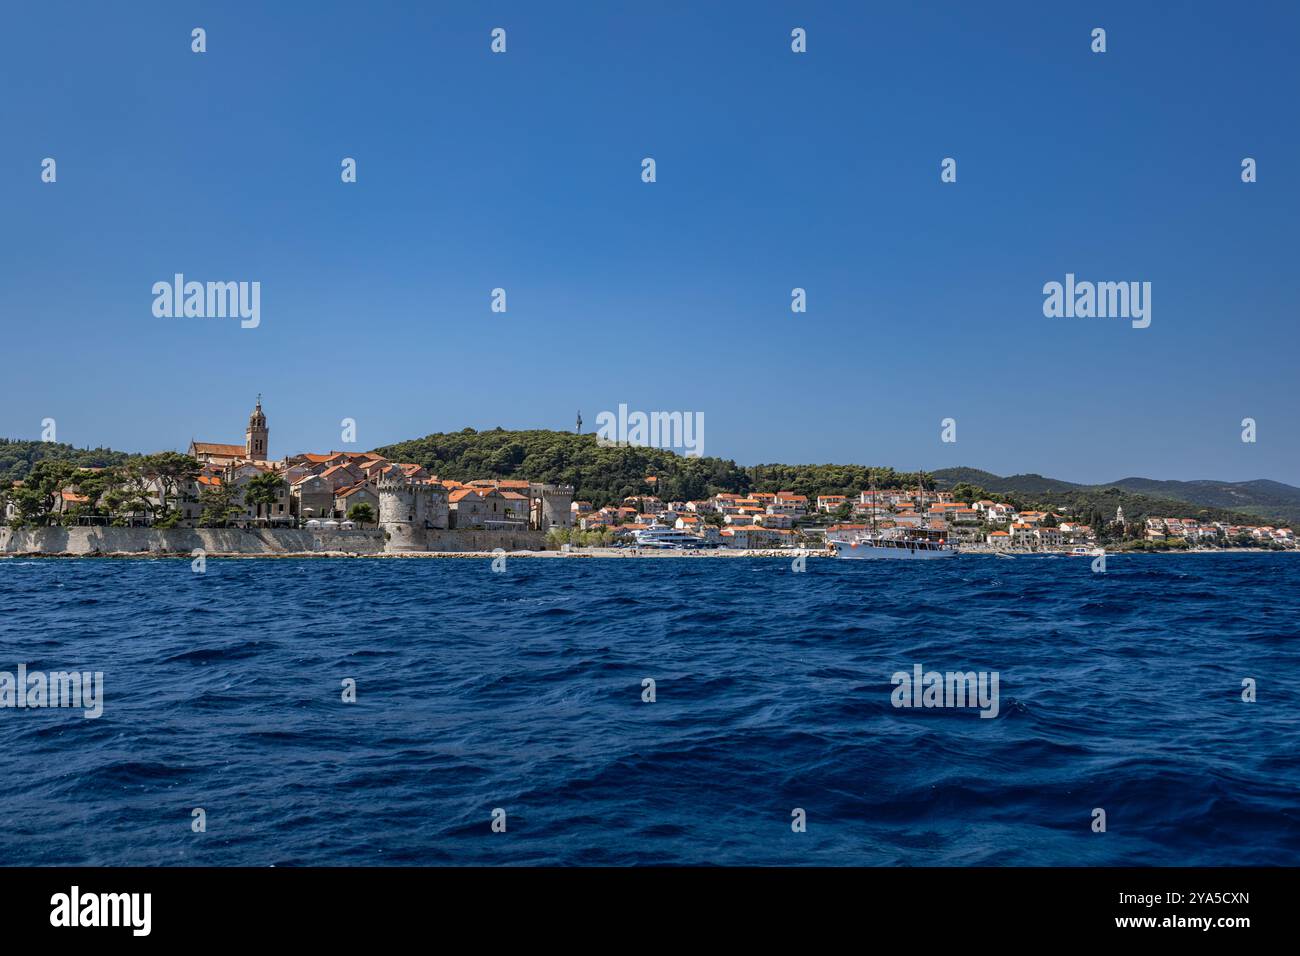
column 217, row 448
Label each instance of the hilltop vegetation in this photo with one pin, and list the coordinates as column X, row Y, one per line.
column 600, row 475
column 18, row 457
column 606, row 475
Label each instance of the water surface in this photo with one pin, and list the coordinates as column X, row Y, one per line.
column 523, row 690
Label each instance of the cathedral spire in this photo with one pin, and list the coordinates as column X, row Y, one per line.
column 256, row 438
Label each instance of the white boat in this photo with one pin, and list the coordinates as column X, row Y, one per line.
column 903, row 544
column 894, row 544
column 662, row 536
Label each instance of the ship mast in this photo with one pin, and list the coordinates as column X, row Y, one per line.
column 873, row 504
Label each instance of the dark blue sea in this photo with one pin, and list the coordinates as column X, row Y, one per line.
column 522, row 691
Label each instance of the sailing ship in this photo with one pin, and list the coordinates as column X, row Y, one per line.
column 901, row 543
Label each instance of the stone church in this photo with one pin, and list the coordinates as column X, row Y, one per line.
column 253, row 449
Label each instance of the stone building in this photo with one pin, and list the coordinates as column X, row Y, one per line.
column 312, row 497
column 408, row 510
column 362, row 493
column 255, row 447
column 551, row 506
column 467, row 508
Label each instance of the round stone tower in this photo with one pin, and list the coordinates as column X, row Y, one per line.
column 406, row 510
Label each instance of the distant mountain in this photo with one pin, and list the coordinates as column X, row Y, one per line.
column 1260, row 499
column 1268, row 499
column 1014, row 485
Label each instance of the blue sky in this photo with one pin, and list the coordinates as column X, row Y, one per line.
column 775, row 170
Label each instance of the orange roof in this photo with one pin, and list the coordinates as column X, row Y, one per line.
column 217, row 448
column 73, row 496
column 461, row 493
column 359, row 486
column 341, row 466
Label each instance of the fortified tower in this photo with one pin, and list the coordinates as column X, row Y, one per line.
column 550, row 506
column 407, row 509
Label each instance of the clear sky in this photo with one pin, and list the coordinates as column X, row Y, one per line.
column 774, row 170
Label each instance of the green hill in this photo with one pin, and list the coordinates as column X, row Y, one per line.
column 17, row 457
column 605, row 475
column 600, row 475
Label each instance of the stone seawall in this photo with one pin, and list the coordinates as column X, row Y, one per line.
column 88, row 541
column 484, row 540
column 216, row 541
column 91, row 541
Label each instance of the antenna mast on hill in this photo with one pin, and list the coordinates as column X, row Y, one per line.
column 579, row 422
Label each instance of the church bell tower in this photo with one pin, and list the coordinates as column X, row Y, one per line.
column 255, row 439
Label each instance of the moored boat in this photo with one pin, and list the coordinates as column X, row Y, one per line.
column 662, row 536
column 896, row 544
column 903, row 545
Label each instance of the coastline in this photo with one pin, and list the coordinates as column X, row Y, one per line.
column 594, row 553
column 487, row 555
